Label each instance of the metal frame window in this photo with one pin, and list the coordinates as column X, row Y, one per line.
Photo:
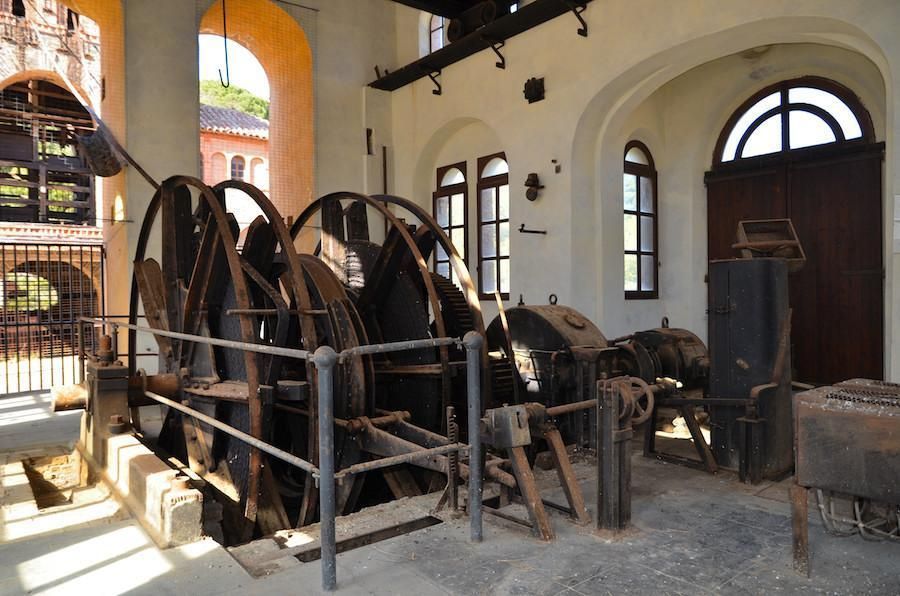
column 493, row 226
column 435, row 33
column 451, row 211
column 238, row 165
column 640, row 224
column 791, row 115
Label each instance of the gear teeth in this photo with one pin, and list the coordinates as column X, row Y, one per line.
column 454, row 307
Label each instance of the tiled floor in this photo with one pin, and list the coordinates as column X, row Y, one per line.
column 693, row 534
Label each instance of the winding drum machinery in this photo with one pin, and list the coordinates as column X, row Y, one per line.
column 549, row 378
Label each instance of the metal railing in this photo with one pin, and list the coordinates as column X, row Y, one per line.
column 325, row 359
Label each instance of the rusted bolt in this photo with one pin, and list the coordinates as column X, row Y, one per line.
column 104, row 351
column 181, row 483
column 117, row 424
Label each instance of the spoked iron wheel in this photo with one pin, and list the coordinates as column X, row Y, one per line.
column 260, row 292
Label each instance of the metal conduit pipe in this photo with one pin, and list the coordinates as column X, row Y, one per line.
column 213, row 341
column 250, row 440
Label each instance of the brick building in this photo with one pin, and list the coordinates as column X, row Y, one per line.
column 234, row 144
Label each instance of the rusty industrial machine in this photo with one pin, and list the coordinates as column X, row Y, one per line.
column 741, row 387
column 848, row 452
column 256, row 288
column 216, row 290
column 740, row 390
column 216, row 282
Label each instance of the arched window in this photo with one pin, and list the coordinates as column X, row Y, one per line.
column 218, row 169
column 435, row 33
column 791, row 115
column 451, row 213
column 259, row 173
column 237, row 167
column 493, row 225
column 640, row 223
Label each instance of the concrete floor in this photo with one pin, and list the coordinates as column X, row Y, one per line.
column 693, row 534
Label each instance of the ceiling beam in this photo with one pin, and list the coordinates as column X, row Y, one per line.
column 446, row 8
column 509, row 25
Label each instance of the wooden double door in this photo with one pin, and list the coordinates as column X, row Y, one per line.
column 834, row 200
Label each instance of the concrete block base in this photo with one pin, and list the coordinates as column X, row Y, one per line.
column 164, row 503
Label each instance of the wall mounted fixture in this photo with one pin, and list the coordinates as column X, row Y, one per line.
column 533, row 186
column 525, row 230
column 534, row 89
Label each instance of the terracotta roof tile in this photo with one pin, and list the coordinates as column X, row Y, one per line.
column 235, row 122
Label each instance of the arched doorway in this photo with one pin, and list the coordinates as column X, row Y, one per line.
column 805, row 149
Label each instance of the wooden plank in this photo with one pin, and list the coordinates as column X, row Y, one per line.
column 540, row 522
column 152, row 291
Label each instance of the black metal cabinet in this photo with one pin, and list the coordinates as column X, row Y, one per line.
column 750, row 357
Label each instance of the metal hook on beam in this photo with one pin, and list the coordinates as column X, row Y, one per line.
column 226, row 82
column 496, row 45
column 433, row 76
column 577, row 8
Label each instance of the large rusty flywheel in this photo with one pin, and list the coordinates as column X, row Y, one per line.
column 253, row 285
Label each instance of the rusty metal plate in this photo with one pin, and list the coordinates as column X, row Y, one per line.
column 848, row 441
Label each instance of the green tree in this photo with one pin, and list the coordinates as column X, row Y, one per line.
column 212, row 93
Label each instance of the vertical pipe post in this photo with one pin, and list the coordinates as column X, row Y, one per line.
column 325, row 359
column 800, row 527
column 473, row 341
column 114, row 334
column 81, row 351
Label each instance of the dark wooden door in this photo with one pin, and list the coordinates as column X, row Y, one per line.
column 834, row 201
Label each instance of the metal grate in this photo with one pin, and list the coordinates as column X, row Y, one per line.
column 44, row 289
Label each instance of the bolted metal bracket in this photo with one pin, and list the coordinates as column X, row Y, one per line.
column 433, row 75
column 525, row 230
column 577, row 8
column 506, row 427
column 496, row 44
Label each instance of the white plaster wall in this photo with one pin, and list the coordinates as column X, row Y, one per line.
column 352, row 37
column 594, row 85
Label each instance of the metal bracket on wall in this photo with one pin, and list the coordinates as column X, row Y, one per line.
column 496, row 44
column 577, row 8
column 433, row 75
column 525, row 230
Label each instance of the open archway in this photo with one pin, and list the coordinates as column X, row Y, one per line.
column 281, row 46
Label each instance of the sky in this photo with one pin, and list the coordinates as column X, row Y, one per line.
column 244, row 69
